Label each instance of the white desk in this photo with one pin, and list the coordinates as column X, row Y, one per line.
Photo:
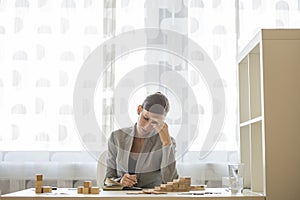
column 71, row 193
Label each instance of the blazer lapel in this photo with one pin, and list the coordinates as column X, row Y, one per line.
column 125, row 151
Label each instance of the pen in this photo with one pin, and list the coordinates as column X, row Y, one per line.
column 126, row 172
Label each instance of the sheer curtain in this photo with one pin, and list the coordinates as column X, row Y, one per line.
column 45, row 43
column 211, row 24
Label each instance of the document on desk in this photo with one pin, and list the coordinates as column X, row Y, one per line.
column 111, row 184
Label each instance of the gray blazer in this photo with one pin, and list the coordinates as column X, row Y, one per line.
column 155, row 165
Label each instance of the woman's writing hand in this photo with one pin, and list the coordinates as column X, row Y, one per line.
column 128, row 180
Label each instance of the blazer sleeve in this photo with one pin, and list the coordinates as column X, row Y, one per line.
column 111, row 168
column 168, row 164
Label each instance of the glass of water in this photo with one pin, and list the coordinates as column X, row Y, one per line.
column 236, row 180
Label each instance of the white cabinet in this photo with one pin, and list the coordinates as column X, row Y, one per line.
column 269, row 108
column 251, row 134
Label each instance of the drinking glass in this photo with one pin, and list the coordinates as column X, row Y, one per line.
column 236, row 180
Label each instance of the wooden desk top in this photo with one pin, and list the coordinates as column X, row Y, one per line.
column 71, row 193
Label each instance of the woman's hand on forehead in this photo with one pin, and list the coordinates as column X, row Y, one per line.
column 157, row 122
column 155, row 116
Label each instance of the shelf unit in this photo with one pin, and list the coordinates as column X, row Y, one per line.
column 251, row 119
column 269, row 113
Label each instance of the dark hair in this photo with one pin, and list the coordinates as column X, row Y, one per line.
column 156, row 103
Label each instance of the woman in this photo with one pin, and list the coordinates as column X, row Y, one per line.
column 143, row 155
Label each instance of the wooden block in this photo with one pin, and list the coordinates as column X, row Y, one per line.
column 38, row 183
column 38, row 177
column 38, row 190
column 175, row 185
column 135, row 192
column 186, row 177
column 170, row 185
column 95, row 190
column 159, row 192
column 188, row 188
column 86, row 190
column 183, row 190
column 80, row 190
column 47, row 189
column 187, row 183
column 87, row 184
column 157, row 188
column 197, row 187
column 148, row 191
column 181, row 186
column 185, row 180
column 181, row 179
column 175, row 180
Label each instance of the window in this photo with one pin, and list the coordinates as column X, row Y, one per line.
column 44, row 45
